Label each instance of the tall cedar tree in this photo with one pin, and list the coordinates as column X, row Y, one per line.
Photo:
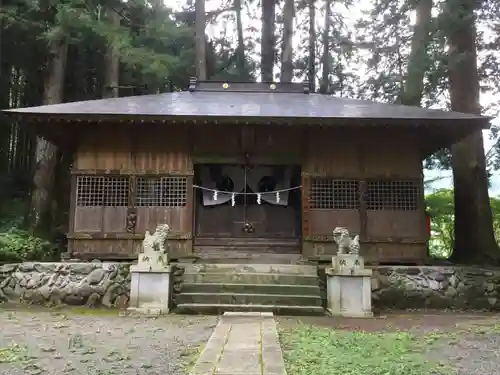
column 474, row 238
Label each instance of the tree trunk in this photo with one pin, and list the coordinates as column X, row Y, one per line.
column 474, row 239
column 287, row 49
column 201, row 48
column 111, row 64
column 311, row 69
column 5, row 89
column 418, row 61
column 240, row 49
column 325, row 79
column 46, row 152
column 268, row 43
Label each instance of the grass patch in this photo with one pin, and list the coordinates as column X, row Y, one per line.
column 13, row 353
column 190, row 355
column 311, row 350
column 62, row 311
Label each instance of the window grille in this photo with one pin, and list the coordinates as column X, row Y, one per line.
column 325, row 193
column 102, row 191
column 392, row 195
column 161, row 192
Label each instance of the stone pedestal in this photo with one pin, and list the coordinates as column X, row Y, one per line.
column 150, row 288
column 349, row 287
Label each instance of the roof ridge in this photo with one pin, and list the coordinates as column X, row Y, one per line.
column 238, row 86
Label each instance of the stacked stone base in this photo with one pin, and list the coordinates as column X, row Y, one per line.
column 462, row 288
column 108, row 285
column 76, row 284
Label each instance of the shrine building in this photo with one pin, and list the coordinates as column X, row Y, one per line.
column 241, row 170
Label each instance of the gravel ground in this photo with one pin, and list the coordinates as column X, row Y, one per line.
column 471, row 354
column 92, row 343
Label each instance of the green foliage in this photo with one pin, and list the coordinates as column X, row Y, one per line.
column 160, row 46
column 13, row 353
column 16, row 243
column 441, row 208
column 311, row 350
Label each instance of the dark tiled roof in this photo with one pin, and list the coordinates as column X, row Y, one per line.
column 245, row 104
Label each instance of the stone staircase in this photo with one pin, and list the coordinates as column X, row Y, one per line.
column 216, row 288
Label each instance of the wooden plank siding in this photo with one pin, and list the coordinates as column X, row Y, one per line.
column 341, row 154
column 387, row 235
column 265, row 145
column 122, row 151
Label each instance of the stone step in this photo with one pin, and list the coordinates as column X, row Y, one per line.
column 219, row 259
column 312, row 290
column 248, row 249
column 248, row 299
column 242, row 242
column 214, row 308
column 282, row 269
column 248, row 256
column 248, row 278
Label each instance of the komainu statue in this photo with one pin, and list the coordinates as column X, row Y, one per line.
column 154, row 251
column 346, row 244
column 156, row 241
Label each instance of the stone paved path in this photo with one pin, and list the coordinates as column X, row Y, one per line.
column 242, row 344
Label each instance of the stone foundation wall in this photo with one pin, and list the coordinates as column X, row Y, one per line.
column 108, row 284
column 436, row 287
column 89, row 284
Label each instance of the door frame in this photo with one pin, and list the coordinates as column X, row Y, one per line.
column 298, row 206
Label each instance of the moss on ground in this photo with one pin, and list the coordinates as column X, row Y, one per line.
column 322, row 351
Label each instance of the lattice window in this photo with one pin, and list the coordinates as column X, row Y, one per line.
column 334, row 194
column 102, row 191
column 161, row 192
column 392, row 195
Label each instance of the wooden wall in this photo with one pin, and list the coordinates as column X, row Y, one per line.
column 148, row 150
column 128, row 154
column 272, row 145
column 265, row 145
column 364, row 157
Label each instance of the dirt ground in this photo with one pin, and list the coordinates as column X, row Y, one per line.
column 467, row 343
column 417, row 321
column 98, row 343
column 93, row 342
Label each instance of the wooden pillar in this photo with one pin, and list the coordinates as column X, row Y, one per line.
column 72, row 212
column 363, row 230
column 190, row 206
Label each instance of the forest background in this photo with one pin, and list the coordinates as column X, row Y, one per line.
column 431, row 53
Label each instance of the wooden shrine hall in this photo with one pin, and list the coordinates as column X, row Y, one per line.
column 247, row 168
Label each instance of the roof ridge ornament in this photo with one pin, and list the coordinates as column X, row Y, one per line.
column 193, row 82
column 261, row 87
column 136, row 89
column 306, row 87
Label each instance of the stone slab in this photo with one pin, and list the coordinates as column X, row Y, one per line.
column 248, row 314
column 245, row 268
column 242, row 344
column 343, row 261
column 349, row 296
column 346, row 314
column 150, row 291
column 147, row 311
column 239, row 361
column 352, row 272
